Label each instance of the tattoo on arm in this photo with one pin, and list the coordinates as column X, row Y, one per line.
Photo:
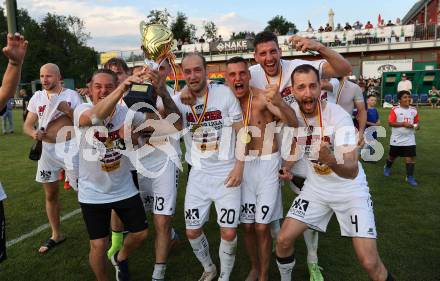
column 169, row 105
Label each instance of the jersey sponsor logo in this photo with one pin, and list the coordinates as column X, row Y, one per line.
column 299, row 207
column 192, row 216
column 209, row 116
column 247, row 211
column 148, row 201
column 45, row 175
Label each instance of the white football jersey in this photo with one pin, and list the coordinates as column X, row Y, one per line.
column 104, row 173
column 211, row 146
column 346, row 94
column 403, row 136
column 41, row 100
column 338, row 131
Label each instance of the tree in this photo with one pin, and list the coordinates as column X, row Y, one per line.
column 76, row 26
column 210, row 30
column 182, row 30
column 242, row 35
column 279, row 25
column 57, row 39
column 159, row 16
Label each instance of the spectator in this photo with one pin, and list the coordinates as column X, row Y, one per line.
column 369, row 25
column 310, row 28
column 404, row 84
column 220, row 39
column 7, row 117
column 434, row 97
column 398, row 22
column 202, row 40
column 328, row 28
column 26, row 99
column 390, row 23
column 347, row 26
column 357, row 25
column 339, row 27
column 381, row 23
column 372, row 120
column 321, row 29
column 179, row 44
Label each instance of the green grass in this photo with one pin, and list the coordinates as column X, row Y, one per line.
column 407, row 220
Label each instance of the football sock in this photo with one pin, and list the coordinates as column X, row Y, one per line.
column 201, row 250
column 117, row 241
column 227, row 257
column 410, row 169
column 159, row 271
column 311, row 239
column 285, row 266
column 389, row 163
column 173, row 234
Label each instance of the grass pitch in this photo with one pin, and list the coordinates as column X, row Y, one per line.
column 407, row 219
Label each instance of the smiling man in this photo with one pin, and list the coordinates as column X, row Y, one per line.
column 260, row 191
column 272, row 70
column 216, row 174
column 335, row 181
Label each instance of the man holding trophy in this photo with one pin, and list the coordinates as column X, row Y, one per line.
column 158, row 187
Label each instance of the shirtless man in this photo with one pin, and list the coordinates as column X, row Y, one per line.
column 260, row 191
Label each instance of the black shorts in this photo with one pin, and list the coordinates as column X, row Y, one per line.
column 2, row 233
column 130, row 211
column 402, row 151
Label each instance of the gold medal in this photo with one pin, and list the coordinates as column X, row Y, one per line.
column 321, row 169
column 195, row 127
column 246, row 138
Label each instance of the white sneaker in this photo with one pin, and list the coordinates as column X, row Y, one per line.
column 208, row 276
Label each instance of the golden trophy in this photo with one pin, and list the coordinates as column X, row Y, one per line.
column 157, row 44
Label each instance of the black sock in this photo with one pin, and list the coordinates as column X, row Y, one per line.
column 389, row 163
column 410, row 169
column 286, row 260
column 389, row 277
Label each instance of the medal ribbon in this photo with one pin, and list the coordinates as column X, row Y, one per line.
column 319, row 118
column 199, row 119
column 247, row 116
column 338, row 95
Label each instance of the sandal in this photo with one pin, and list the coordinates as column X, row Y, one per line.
column 50, row 244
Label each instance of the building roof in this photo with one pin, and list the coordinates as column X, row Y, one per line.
column 415, row 9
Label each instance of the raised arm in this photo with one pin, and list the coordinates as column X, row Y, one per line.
column 336, row 65
column 15, row 51
column 105, row 107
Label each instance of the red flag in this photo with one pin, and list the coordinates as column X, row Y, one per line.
column 379, row 20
